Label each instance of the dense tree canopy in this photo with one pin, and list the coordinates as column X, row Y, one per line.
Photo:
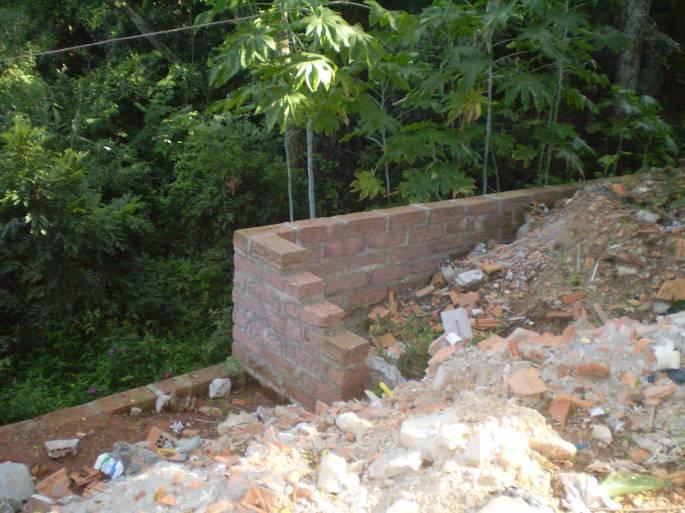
column 125, row 167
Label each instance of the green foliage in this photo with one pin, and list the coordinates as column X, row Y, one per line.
column 122, row 178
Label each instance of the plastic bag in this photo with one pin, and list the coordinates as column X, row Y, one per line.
column 626, row 483
column 109, row 465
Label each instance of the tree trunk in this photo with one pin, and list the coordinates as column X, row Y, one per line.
column 288, row 165
column 142, row 27
column 635, row 18
column 310, row 169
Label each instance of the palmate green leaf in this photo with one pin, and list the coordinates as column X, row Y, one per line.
column 312, row 69
column 465, row 104
column 251, row 44
column 330, row 30
column 380, row 16
column 367, row 185
column 528, row 89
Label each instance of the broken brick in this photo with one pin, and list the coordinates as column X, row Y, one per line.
column 56, row 485
column 593, row 370
column 527, row 382
column 559, row 410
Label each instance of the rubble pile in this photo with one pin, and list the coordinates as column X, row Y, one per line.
column 611, row 250
column 419, row 450
column 552, row 382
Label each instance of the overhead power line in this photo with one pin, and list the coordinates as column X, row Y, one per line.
column 128, row 38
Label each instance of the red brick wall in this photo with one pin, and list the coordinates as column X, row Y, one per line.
column 294, row 281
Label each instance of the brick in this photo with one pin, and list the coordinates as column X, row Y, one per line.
column 244, row 301
column 56, row 485
column 478, row 205
column 303, row 285
column 388, row 273
column 593, row 370
column 248, row 341
column 444, row 211
column 266, row 296
column 309, row 361
column 343, row 247
column 400, row 217
column 408, row 254
column 425, row 233
column 344, row 348
column 294, row 330
column 546, row 195
column 386, row 239
column 354, row 382
column 244, row 265
column 278, row 252
column 372, row 258
column 367, row 296
column 322, row 315
column 510, row 200
column 461, row 226
column 242, row 239
column 447, row 244
column 361, row 223
column 328, row 266
column 317, row 230
column 347, row 281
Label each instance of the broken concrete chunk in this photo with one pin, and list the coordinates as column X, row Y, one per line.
column 349, row 422
column 395, row 463
column 470, row 280
column 219, row 388
column 624, row 270
column 135, row 411
column 602, row 433
column 333, row 475
column 403, row 506
column 233, row 420
column 61, row 448
column 457, row 321
column 434, row 436
column 382, row 370
column 15, row 481
column 553, row 447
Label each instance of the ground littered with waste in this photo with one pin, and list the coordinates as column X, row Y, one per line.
column 556, row 386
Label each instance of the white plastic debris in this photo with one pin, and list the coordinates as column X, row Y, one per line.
column 453, row 338
column 109, row 465
column 666, row 358
column 219, row 388
column 584, row 494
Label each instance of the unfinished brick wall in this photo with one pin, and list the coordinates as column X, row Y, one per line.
column 294, row 281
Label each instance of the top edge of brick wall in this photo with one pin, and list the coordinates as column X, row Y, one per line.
column 356, row 224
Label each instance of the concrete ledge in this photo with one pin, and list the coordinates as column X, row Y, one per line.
column 193, row 382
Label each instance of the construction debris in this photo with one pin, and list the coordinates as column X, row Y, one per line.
column 60, row 448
